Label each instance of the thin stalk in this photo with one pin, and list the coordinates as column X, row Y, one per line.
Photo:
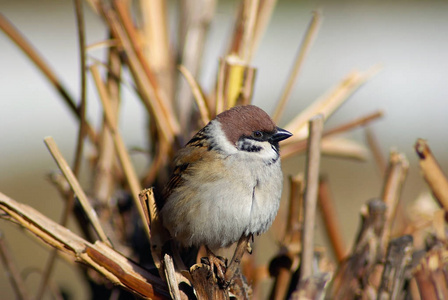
column 304, row 48
column 310, row 195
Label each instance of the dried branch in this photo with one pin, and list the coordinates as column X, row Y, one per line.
column 312, row 288
column 241, row 248
column 299, row 146
column 393, row 184
column 115, row 267
column 353, row 273
column 373, row 144
column 432, row 173
column 195, row 19
column 398, row 260
column 311, row 32
column 170, row 275
column 332, row 224
column 310, row 197
column 12, row 272
column 328, row 104
column 40, row 63
column 76, row 187
column 198, row 95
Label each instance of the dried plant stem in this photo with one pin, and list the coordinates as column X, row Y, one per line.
column 198, row 95
column 250, row 14
column 304, row 48
column 12, row 272
column 376, row 151
column 111, row 264
column 265, row 10
column 40, row 63
column 398, row 259
column 431, row 274
column 195, row 19
column 170, row 275
column 76, row 187
column 298, row 146
column 332, row 224
column 145, row 80
column 432, row 173
column 329, row 103
column 310, row 197
column 393, row 184
column 156, row 37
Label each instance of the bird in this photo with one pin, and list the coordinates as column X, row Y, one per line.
column 226, row 182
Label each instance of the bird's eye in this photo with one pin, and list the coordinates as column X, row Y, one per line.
column 257, row 134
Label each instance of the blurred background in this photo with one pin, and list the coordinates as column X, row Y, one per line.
column 408, row 39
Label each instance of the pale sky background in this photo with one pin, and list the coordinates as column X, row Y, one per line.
column 408, row 38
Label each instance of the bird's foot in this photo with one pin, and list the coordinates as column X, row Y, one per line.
column 218, row 266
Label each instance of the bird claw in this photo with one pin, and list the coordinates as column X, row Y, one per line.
column 218, row 267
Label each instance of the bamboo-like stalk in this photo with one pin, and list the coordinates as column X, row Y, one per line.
column 77, row 189
column 311, row 32
column 432, row 173
column 376, row 151
column 299, row 146
column 198, row 95
column 12, row 271
column 111, row 264
column 332, row 224
column 310, row 197
column 170, row 275
column 328, row 103
column 44, row 67
column 265, row 11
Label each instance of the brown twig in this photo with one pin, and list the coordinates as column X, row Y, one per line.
column 374, row 146
column 432, row 173
column 310, row 197
column 76, row 187
column 111, row 264
column 40, row 63
column 170, row 275
column 79, row 145
column 398, row 259
column 353, row 273
column 195, row 19
column 198, row 95
column 298, row 146
column 12, row 272
column 332, row 224
column 311, row 32
column 393, row 184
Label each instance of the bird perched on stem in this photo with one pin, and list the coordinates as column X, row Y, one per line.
column 226, row 183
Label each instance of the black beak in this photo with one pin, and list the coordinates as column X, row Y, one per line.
column 280, row 135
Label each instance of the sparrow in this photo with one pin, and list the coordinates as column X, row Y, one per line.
column 227, row 181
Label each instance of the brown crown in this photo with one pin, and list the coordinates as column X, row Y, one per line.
column 243, row 120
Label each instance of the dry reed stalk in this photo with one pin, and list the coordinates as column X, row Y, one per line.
column 392, row 187
column 195, row 19
column 21, row 42
column 328, row 103
column 104, row 183
column 170, row 275
column 397, row 264
column 299, row 146
column 431, row 274
column 130, row 173
column 310, row 196
column 374, row 147
column 198, row 95
column 332, row 224
column 432, row 173
column 17, row 283
column 155, row 102
column 283, row 265
column 157, row 50
column 115, row 267
column 77, row 189
column 353, row 273
column 311, row 32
